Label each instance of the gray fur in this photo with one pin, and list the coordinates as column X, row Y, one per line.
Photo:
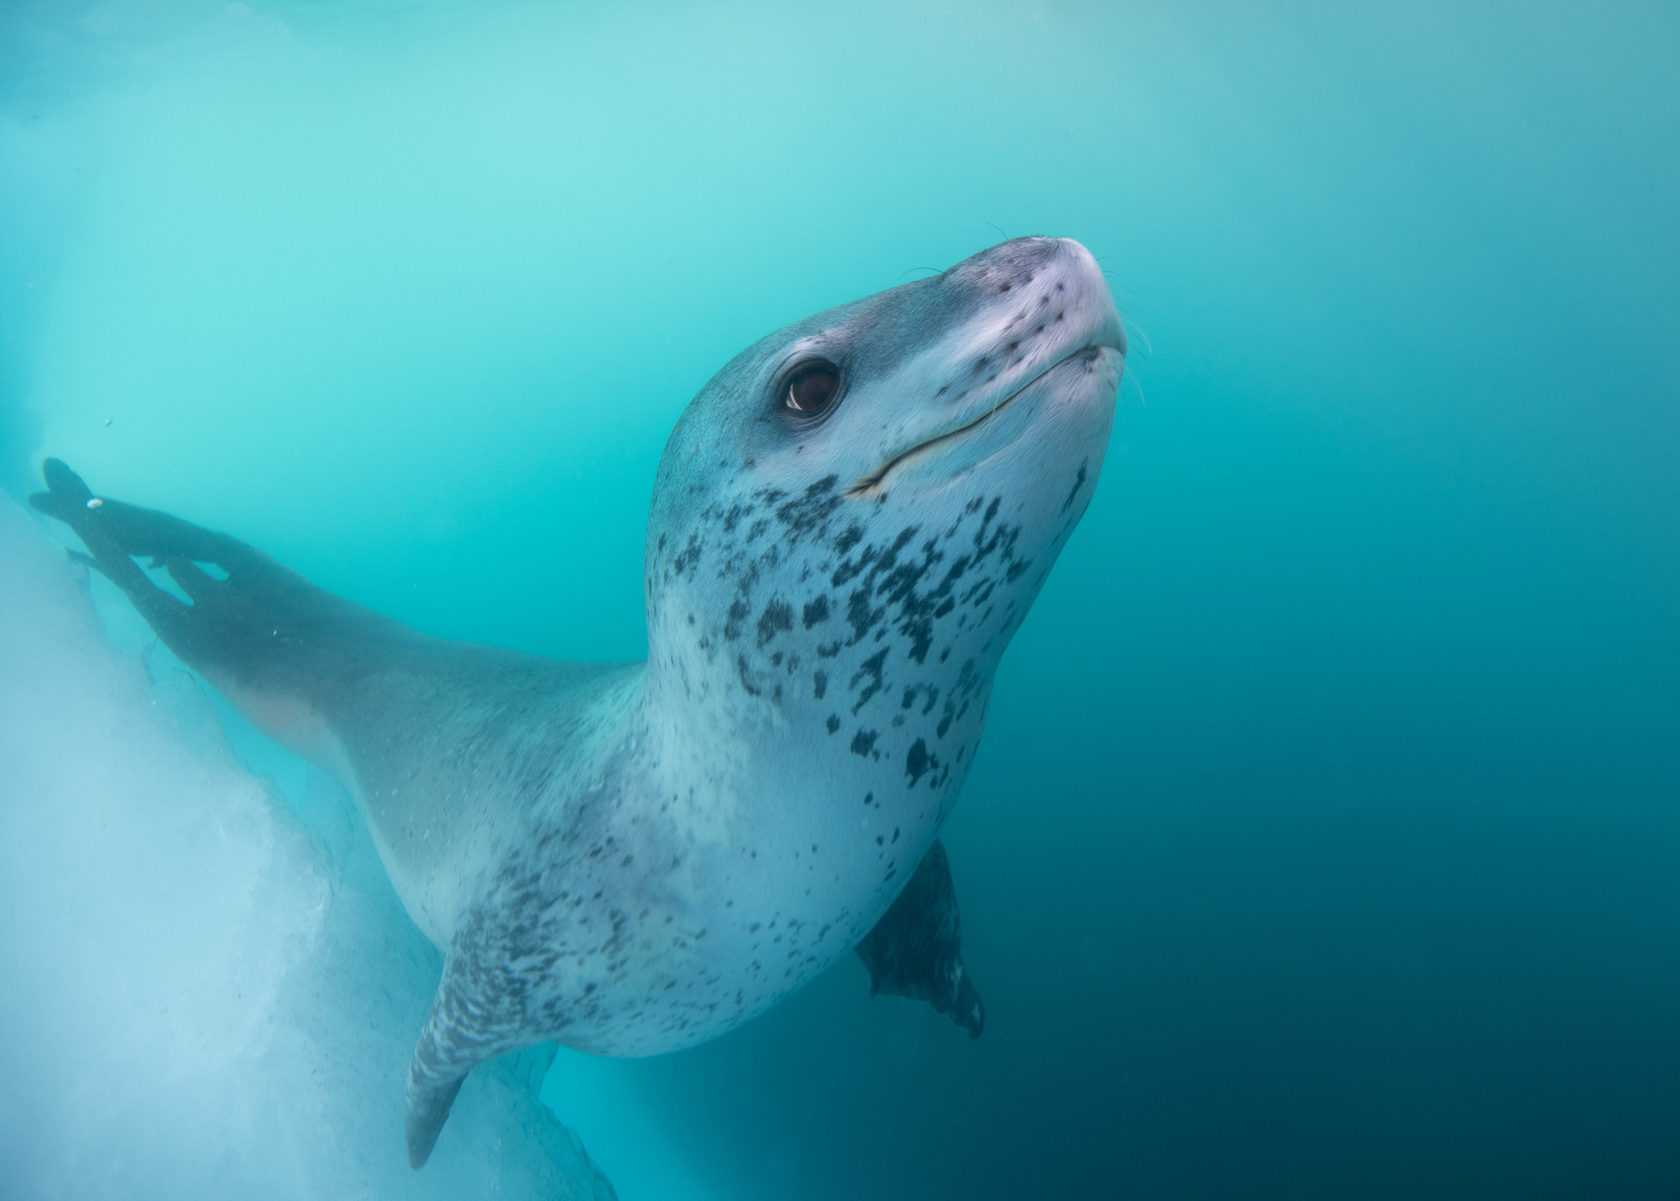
column 637, row 858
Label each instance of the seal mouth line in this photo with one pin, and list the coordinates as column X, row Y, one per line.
column 873, row 480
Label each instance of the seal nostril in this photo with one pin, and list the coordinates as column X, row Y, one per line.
column 1005, row 288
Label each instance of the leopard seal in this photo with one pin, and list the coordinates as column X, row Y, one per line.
column 849, row 522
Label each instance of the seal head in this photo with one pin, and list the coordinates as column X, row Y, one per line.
column 850, row 522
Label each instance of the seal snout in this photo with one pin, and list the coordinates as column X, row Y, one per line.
column 1039, row 302
column 1032, row 318
column 1067, row 301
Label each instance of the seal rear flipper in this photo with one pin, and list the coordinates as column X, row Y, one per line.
column 70, row 500
column 915, row 950
column 259, row 625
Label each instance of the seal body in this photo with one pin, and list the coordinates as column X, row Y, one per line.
column 849, row 522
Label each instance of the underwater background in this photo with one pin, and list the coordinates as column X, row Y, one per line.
column 1325, row 838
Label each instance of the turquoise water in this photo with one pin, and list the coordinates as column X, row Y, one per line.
column 1324, row 841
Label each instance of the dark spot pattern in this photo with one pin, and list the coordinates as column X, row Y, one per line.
column 777, row 617
column 1078, row 483
column 778, row 610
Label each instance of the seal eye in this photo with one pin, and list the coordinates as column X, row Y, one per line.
column 812, row 389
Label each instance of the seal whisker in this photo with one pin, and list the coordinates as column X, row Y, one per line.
column 1137, row 382
column 1136, row 332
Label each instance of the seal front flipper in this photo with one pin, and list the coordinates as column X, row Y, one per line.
column 451, row 1045
column 480, row 1010
column 446, row 1053
column 915, row 950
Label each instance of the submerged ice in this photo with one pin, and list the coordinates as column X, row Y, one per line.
column 205, row 994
